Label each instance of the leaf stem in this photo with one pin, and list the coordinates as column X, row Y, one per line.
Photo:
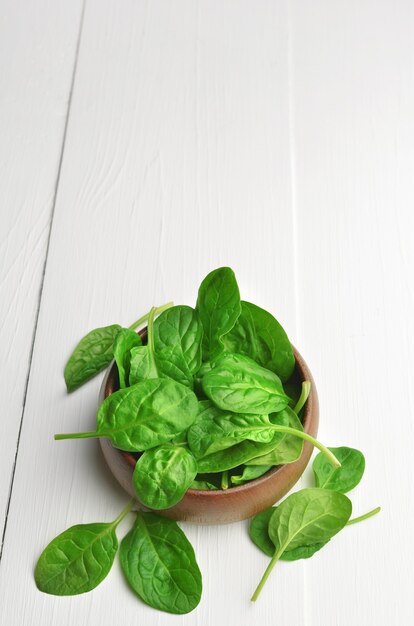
column 266, row 575
column 144, row 318
column 302, row 435
column 89, row 435
column 304, row 394
column 124, row 512
column 361, row 518
column 225, row 479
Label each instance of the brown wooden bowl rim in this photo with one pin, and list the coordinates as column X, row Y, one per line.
column 310, row 408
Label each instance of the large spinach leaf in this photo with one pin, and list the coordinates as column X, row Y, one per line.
column 143, row 416
column 160, row 565
column 305, row 518
column 180, row 329
column 218, row 304
column 163, row 475
column 259, row 335
column 78, row 559
column 236, row 383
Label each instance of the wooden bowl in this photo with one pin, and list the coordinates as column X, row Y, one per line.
column 233, row 504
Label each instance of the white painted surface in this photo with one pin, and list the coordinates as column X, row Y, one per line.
column 275, row 137
column 37, row 53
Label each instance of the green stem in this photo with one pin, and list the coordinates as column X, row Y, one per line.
column 150, row 339
column 304, row 394
column 266, row 575
column 299, row 433
column 225, row 479
column 123, row 513
column 361, row 518
column 144, row 318
column 90, row 435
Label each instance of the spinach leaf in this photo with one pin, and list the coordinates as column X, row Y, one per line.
column 142, row 366
column 218, row 304
column 214, row 429
column 305, row 518
column 160, row 565
column 144, row 415
column 179, row 328
column 289, row 448
column 249, row 473
column 163, row 475
column 203, row 485
column 236, row 383
column 259, row 534
column 125, row 340
column 259, row 335
column 78, row 559
column 343, row 478
column 93, row 353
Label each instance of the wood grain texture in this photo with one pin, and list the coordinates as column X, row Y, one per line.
column 37, row 53
column 275, row 137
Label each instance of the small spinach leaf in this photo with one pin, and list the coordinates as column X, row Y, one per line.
column 218, row 304
column 236, row 383
column 203, row 485
column 93, row 353
column 78, row 559
column 160, row 565
column 259, row 335
column 180, row 328
column 125, row 340
column 249, row 473
column 305, row 518
column 289, row 448
column 163, row 475
column 343, row 478
column 144, row 415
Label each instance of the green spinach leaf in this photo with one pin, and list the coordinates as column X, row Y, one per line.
column 343, row 478
column 163, row 475
column 143, row 416
column 203, row 485
column 236, row 383
column 259, row 335
column 179, row 330
column 93, row 353
column 160, row 565
column 289, row 447
column 305, row 518
column 78, row 559
column 249, row 473
column 125, row 340
column 218, row 304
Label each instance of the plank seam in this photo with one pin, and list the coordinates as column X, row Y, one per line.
column 52, row 214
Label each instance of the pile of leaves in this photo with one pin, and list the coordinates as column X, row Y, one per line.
column 212, row 400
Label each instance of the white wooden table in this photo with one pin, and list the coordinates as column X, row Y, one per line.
column 142, row 144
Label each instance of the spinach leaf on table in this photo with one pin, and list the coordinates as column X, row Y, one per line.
column 342, row 478
column 160, row 565
column 162, row 475
column 93, row 353
column 218, row 304
column 143, row 416
column 125, row 340
column 236, row 383
column 307, row 517
column 78, row 559
column 259, row 335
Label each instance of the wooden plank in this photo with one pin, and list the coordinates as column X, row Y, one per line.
column 353, row 98
column 177, row 160
column 37, row 53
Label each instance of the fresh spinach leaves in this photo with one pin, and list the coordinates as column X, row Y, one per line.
column 342, row 478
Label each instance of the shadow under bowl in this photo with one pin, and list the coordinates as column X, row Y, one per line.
column 233, row 504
